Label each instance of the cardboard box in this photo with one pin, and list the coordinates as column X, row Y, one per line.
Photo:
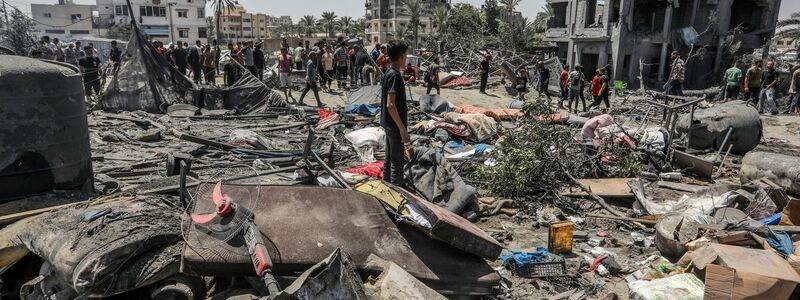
column 560, row 237
column 733, row 272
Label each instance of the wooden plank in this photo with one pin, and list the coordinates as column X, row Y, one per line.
column 683, row 187
column 605, row 187
column 22, row 215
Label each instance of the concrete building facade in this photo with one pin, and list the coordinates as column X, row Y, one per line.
column 637, row 36
column 165, row 20
column 240, row 25
column 274, row 22
column 65, row 21
column 385, row 16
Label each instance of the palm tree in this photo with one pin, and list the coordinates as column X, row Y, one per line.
column 414, row 10
column 308, row 25
column 328, row 22
column 346, row 24
column 218, row 6
column 402, row 33
column 540, row 22
column 510, row 5
column 789, row 28
column 284, row 29
column 440, row 19
column 359, row 27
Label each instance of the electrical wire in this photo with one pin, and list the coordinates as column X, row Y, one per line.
column 45, row 24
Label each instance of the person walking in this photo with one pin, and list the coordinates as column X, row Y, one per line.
column 521, row 84
column 284, row 73
column 564, row 85
column 341, row 61
column 195, row 62
column 394, row 118
column 71, row 54
column 769, row 79
column 432, row 77
column 59, row 52
column 218, row 53
column 576, row 82
column 259, row 61
column 484, row 66
column 544, row 80
column 115, row 56
column 312, row 80
column 674, row 84
column 90, row 70
column 210, row 65
column 361, row 61
column 733, row 80
column 752, row 83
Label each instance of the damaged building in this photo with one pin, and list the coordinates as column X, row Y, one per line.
column 637, row 36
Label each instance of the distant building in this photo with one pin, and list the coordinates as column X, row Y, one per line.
column 624, row 33
column 274, row 22
column 385, row 16
column 782, row 45
column 166, row 20
column 239, row 25
column 65, row 21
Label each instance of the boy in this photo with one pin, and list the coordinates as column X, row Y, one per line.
column 394, row 114
column 312, row 79
column 733, row 79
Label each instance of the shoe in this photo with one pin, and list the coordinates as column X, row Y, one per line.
column 301, row 103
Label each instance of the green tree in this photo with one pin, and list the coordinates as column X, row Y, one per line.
column 414, row 11
column 542, row 17
column 360, row 28
column 440, row 19
column 19, row 36
column 402, row 33
column 308, row 25
column 284, row 30
column 346, row 25
column 491, row 11
column 211, row 29
column 328, row 22
column 219, row 6
column 510, row 5
column 119, row 32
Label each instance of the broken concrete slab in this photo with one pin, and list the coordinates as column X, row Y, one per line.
column 781, row 169
column 710, row 127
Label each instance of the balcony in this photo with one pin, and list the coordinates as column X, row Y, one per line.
column 556, row 33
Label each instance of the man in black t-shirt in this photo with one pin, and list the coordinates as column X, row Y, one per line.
column 394, row 115
column 180, row 58
column 115, row 55
column 484, row 65
column 90, row 69
column 769, row 79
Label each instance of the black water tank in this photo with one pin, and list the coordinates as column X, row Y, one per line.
column 44, row 136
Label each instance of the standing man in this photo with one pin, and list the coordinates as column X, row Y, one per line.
column 195, row 61
column 229, row 74
column 752, row 83
column 90, row 69
column 115, row 55
column 361, row 61
column 210, row 65
column 59, row 52
column 327, row 65
column 564, row 84
column 312, row 78
column 218, row 55
column 733, row 80
column 432, row 77
column 71, row 54
column 576, row 81
column 484, row 65
column 394, row 118
column 769, row 79
column 676, row 76
column 81, row 52
column 341, row 61
column 299, row 56
column 544, row 80
column 248, row 58
column 285, row 72
column 259, row 62
column 600, row 89
column 793, row 90
column 180, row 58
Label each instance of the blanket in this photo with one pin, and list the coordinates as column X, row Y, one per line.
column 430, row 175
column 483, row 128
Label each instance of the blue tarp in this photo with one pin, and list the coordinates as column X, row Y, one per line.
column 363, row 109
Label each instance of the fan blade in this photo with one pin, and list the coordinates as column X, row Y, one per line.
column 217, row 194
column 203, row 218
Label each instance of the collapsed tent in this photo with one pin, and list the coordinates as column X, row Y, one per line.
column 147, row 81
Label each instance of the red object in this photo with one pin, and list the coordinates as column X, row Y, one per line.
column 596, row 85
column 325, row 113
column 498, row 114
column 373, row 169
column 602, row 233
column 564, row 77
column 222, row 206
column 260, row 260
column 458, row 81
column 595, row 264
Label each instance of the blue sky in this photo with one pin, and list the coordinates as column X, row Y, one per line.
column 354, row 8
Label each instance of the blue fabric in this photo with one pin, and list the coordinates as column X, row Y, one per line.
column 94, row 214
column 455, row 144
column 772, row 220
column 782, row 242
column 363, row 109
column 524, row 258
column 480, row 148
